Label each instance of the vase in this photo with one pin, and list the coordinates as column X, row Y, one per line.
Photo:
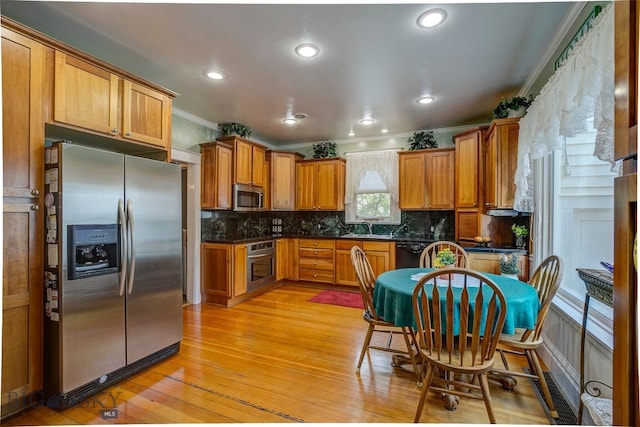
column 520, row 243
column 517, row 113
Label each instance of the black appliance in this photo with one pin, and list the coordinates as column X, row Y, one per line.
column 408, row 253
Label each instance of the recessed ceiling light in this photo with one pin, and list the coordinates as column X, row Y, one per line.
column 426, row 100
column 384, row 130
column 290, row 121
column 351, row 133
column 367, row 121
column 215, row 75
column 432, row 18
column 307, row 50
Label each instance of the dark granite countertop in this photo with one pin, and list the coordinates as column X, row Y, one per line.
column 235, row 239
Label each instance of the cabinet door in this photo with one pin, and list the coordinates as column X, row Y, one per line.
column 146, row 115
column 85, row 95
column 216, row 176
column 283, row 181
column 467, row 164
column 282, row 258
column 23, row 66
column 258, row 165
column 440, row 179
column 381, row 256
column 345, row 273
column 491, row 171
column 507, row 161
column 413, row 181
column 326, row 186
column 215, row 271
column 239, row 269
column 305, row 176
column 467, row 224
column 243, row 173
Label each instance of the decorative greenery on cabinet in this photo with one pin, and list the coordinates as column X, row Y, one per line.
column 422, row 139
column 232, row 128
column 325, row 149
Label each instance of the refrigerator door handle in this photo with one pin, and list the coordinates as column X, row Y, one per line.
column 132, row 250
column 122, row 221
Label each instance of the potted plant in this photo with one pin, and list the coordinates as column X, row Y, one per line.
column 509, row 266
column 444, row 258
column 512, row 107
column 324, row 149
column 231, row 128
column 422, row 139
column 520, row 231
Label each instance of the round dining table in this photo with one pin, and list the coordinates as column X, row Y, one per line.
column 393, row 293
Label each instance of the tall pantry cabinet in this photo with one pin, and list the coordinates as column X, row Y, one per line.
column 24, row 85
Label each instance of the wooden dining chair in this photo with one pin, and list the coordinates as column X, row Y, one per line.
column 428, row 255
column 546, row 280
column 457, row 334
column 367, row 280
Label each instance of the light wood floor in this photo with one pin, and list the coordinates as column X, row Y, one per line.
column 276, row 359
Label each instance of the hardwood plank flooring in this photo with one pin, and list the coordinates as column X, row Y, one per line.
column 276, row 359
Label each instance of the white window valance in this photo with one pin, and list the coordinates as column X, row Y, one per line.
column 371, row 172
column 581, row 88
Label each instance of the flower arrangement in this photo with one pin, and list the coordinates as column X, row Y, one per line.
column 324, row 149
column 509, row 264
column 520, row 230
column 422, row 139
column 511, row 104
column 444, row 257
column 234, row 129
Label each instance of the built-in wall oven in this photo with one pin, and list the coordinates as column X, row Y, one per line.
column 261, row 264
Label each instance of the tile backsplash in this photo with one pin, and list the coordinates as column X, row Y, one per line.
column 226, row 225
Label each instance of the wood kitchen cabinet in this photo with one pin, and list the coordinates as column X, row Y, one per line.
column 24, row 83
column 469, row 182
column 316, row 260
column 249, row 161
column 490, row 263
column 381, row 256
column 500, row 162
column 320, row 184
column 94, row 98
column 427, row 179
column 223, row 272
column 216, row 175
column 282, row 180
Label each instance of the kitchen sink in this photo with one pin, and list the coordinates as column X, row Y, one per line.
column 366, row 236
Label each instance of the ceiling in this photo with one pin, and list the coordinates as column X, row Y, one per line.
column 374, row 60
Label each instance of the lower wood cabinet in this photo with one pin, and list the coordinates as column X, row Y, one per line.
column 381, row 256
column 490, row 263
column 316, row 260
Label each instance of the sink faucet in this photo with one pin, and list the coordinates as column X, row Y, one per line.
column 369, row 226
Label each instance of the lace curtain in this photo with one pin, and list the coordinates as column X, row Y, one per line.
column 385, row 163
column 581, row 88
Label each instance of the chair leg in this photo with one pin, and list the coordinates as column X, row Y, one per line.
column 533, row 358
column 412, row 355
column 425, row 389
column 365, row 345
column 486, row 396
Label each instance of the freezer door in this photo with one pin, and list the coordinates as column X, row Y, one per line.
column 91, row 341
column 154, row 297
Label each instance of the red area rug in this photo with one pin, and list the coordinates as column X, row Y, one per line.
column 343, row 298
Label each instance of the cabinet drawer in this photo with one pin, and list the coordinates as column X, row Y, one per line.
column 347, row 244
column 316, row 275
column 315, row 253
column 312, row 243
column 316, row 263
column 377, row 246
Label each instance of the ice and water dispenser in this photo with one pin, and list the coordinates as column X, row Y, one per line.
column 93, row 250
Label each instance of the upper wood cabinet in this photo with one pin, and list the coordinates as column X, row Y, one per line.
column 216, row 172
column 94, row 98
column 320, row 184
column 427, row 179
column 24, row 62
column 468, row 178
column 282, row 188
column 249, row 161
column 501, row 158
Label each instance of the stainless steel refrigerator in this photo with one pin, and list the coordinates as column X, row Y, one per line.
column 113, row 274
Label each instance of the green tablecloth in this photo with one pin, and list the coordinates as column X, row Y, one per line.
column 394, row 290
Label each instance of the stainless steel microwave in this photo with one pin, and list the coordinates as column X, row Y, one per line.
column 247, row 198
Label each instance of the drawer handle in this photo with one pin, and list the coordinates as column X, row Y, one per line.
column 35, row 207
column 114, row 130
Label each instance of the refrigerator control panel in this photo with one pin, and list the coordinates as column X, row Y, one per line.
column 93, row 250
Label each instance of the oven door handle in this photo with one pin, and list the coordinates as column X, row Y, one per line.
column 263, row 255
